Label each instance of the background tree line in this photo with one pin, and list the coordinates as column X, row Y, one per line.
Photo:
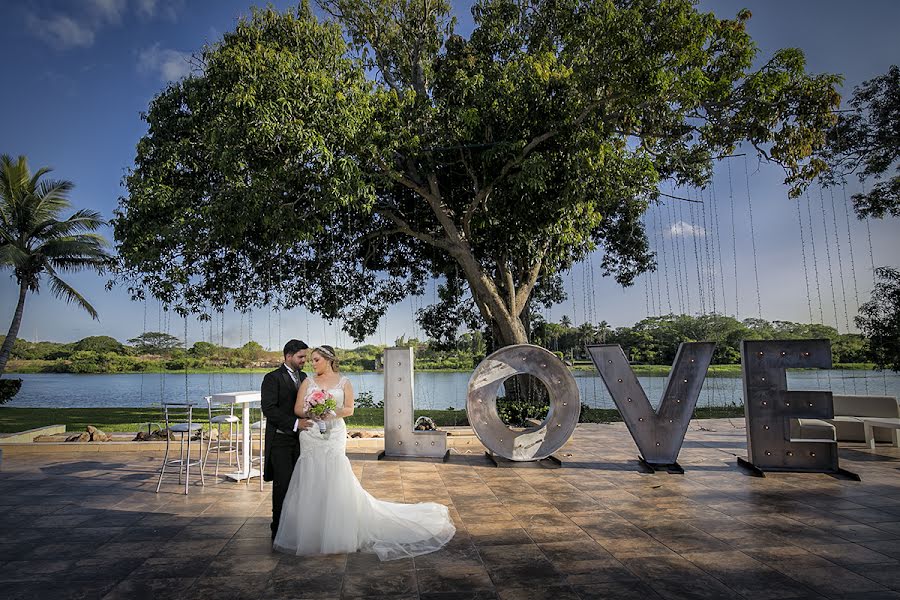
column 651, row 341
column 654, row 340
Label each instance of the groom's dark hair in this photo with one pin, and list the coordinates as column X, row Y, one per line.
column 294, row 346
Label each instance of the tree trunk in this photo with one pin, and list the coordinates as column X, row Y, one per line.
column 7, row 347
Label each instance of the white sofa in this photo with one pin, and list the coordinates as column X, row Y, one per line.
column 847, row 424
column 850, row 410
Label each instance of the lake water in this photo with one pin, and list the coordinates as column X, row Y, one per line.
column 432, row 390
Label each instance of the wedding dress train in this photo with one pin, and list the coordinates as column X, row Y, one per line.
column 327, row 511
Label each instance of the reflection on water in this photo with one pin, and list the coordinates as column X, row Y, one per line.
column 432, row 390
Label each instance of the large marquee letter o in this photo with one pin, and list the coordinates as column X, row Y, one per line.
column 481, row 403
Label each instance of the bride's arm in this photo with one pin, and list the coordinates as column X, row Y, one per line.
column 299, row 403
column 347, row 409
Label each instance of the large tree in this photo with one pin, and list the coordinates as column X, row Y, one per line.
column 866, row 142
column 36, row 241
column 879, row 319
column 340, row 163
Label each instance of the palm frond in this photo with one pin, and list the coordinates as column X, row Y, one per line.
column 52, row 198
column 12, row 256
column 64, row 291
column 82, row 220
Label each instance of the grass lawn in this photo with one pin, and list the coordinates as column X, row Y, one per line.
column 135, row 419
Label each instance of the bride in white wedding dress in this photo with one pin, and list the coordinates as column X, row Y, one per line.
column 326, row 510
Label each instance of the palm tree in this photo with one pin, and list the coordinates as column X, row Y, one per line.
column 34, row 241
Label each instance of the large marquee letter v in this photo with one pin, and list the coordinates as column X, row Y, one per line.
column 658, row 434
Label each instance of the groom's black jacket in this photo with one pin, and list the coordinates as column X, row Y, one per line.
column 278, row 396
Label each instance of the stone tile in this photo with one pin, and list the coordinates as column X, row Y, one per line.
column 863, row 533
column 151, row 589
column 747, row 576
column 243, row 587
column 850, row 554
column 153, row 568
column 886, row 575
column 292, row 567
column 677, row 578
column 58, row 551
column 463, row 556
column 305, row 584
column 58, row 590
column 379, row 583
column 512, row 554
column 367, row 561
column 567, row 552
column 462, row 595
column 102, row 568
column 554, row 592
column 114, row 549
column 837, row 581
column 596, row 528
column 538, row 574
column 191, row 548
column 498, row 535
column 253, row 564
column 616, row 590
column 886, row 547
column 454, row 580
column 18, row 570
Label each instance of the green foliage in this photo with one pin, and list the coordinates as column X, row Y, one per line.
column 864, row 142
column 25, row 350
column 36, row 242
column 8, row 389
column 367, row 400
column 251, row 351
column 391, row 149
column 516, row 411
column 155, row 342
column 88, row 361
column 100, row 343
column 203, row 349
column 879, row 319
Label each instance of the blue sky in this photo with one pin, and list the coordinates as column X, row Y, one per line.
column 79, row 72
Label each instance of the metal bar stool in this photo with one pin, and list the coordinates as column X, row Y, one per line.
column 179, row 417
column 257, row 426
column 218, row 417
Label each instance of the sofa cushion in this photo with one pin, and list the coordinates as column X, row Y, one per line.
column 812, row 429
column 848, row 409
column 865, row 406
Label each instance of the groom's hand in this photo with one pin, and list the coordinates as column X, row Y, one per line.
column 306, row 423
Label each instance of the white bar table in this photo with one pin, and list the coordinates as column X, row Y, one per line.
column 244, row 399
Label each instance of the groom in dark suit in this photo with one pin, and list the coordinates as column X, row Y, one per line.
column 279, row 393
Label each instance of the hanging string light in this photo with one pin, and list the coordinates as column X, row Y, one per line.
column 815, row 261
column 753, row 240
column 828, row 257
column 715, row 217
column 737, row 296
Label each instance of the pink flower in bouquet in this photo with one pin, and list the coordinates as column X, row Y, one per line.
column 318, row 403
column 316, row 397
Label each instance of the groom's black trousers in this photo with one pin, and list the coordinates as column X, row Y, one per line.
column 285, row 452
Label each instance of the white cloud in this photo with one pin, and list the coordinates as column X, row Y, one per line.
column 78, row 27
column 108, row 11
column 61, row 31
column 168, row 65
column 147, row 8
column 686, row 229
column 166, row 9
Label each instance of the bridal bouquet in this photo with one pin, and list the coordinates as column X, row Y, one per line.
column 318, row 404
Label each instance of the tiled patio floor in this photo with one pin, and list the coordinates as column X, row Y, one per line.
column 92, row 527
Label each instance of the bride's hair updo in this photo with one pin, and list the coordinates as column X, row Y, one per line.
column 328, row 353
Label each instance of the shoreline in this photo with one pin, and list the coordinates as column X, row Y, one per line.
column 730, row 371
